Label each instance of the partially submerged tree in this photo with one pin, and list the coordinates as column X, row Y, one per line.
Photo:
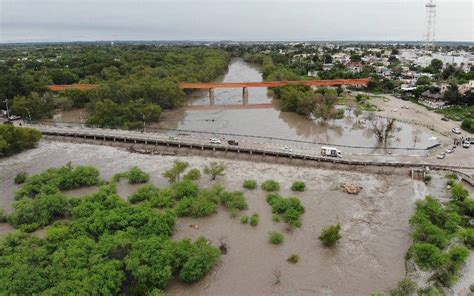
column 330, row 235
column 175, row 172
column 383, row 129
column 215, row 169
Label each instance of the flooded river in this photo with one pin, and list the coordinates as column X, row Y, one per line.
column 369, row 257
column 262, row 120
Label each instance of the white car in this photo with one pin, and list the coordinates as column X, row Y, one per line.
column 288, row 149
column 173, row 138
column 456, row 130
column 441, row 156
column 214, row 141
column 466, row 144
column 449, row 150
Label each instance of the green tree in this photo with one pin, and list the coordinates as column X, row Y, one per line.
column 174, row 173
column 214, row 169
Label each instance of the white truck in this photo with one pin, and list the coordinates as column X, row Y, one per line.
column 331, row 151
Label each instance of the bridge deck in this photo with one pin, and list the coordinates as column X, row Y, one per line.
column 334, row 82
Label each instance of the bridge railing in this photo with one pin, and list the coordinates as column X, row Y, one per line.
column 263, row 140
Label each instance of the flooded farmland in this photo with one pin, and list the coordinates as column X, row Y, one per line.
column 369, row 257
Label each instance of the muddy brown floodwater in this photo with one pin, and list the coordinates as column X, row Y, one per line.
column 270, row 121
column 368, row 258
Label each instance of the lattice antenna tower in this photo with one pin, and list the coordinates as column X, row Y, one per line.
column 430, row 23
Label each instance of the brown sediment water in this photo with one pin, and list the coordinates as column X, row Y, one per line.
column 269, row 121
column 369, row 257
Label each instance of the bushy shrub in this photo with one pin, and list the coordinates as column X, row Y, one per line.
column 234, row 200
column 193, row 175
column 214, row 169
column 55, row 179
column 254, row 220
column 164, row 199
column 428, row 256
column 330, row 235
column 468, row 124
column 250, row 184
column 16, row 139
column 270, row 186
column 3, row 216
column 21, row 177
column 458, row 192
column 244, row 219
column 298, row 186
column 31, row 214
column 276, row 218
column 195, row 207
column 293, row 259
column 406, row 287
column 275, row 237
column 175, row 172
column 428, row 178
column 136, row 175
column 200, row 262
column 185, row 188
column 432, row 234
column 467, row 237
column 157, row 198
column 290, row 208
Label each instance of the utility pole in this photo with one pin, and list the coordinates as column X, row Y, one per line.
column 8, row 111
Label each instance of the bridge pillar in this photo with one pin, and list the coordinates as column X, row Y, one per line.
column 245, row 95
column 211, row 96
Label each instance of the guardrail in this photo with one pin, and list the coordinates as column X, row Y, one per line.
column 145, row 139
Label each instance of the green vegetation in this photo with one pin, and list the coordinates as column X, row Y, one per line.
column 214, row 169
column 458, row 113
column 276, row 218
column 304, row 101
column 330, row 235
column 131, row 115
column 290, row 209
column 293, row 259
column 250, row 184
column 270, row 186
column 21, row 177
column 158, row 198
column 233, row 200
column 175, row 172
column 442, row 234
column 16, row 139
column 275, row 237
column 254, row 220
column 244, row 219
column 100, row 239
column 135, row 81
column 298, row 186
column 3, row 216
column 468, row 124
column 427, row 179
column 406, row 287
column 136, row 176
column 55, row 179
column 193, row 175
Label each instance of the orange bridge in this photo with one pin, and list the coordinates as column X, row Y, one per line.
column 80, row 86
column 212, row 85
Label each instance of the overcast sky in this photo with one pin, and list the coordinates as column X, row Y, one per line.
column 68, row 20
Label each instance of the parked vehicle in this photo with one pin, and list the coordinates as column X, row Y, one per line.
column 456, row 130
column 173, row 138
column 466, row 144
column 441, row 156
column 445, row 119
column 331, row 151
column 14, row 117
column 233, row 142
column 449, row 150
column 214, row 141
column 288, row 149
